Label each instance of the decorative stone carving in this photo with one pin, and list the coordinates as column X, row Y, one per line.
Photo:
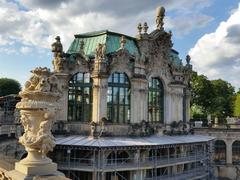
column 57, row 47
column 141, row 129
column 59, row 62
column 188, row 58
column 145, row 27
column 122, row 42
column 160, row 13
column 82, row 47
column 98, row 129
column 37, row 108
column 99, row 64
column 4, row 176
column 178, row 128
column 120, row 61
column 139, row 27
column 100, row 51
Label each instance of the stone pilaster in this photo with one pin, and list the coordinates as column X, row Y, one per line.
column 100, row 87
column 229, row 152
column 188, row 98
column 167, row 107
column 139, row 100
column 63, row 101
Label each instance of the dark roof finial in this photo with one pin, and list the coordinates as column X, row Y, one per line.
column 188, row 58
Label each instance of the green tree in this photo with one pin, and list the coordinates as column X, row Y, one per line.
column 202, row 94
column 223, row 101
column 237, row 105
column 9, row 86
column 214, row 97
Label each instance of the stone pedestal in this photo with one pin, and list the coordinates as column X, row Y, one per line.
column 28, row 172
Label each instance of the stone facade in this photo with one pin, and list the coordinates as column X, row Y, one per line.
column 153, row 58
column 116, row 90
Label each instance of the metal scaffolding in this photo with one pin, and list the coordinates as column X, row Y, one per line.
column 178, row 161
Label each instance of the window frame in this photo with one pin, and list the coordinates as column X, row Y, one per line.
column 78, row 84
column 158, row 102
column 119, row 85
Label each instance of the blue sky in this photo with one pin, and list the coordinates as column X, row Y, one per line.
column 209, row 30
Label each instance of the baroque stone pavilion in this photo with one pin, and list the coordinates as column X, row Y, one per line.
column 125, row 108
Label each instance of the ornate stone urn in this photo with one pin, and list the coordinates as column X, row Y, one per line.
column 37, row 109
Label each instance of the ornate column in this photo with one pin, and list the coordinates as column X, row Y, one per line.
column 100, row 84
column 139, row 86
column 167, row 106
column 188, row 98
column 38, row 108
column 63, row 101
column 139, row 100
column 229, row 151
column 61, row 66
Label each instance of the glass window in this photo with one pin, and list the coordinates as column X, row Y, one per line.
column 80, row 98
column 118, row 98
column 236, row 152
column 220, row 152
column 155, row 100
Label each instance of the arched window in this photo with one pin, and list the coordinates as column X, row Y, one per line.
column 118, row 101
column 220, row 152
column 236, row 152
column 155, row 100
column 80, row 97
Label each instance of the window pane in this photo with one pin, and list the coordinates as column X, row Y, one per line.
column 79, row 97
column 155, row 100
column 121, row 114
column 122, row 78
column 120, row 91
column 115, row 78
column 79, row 77
column 87, row 78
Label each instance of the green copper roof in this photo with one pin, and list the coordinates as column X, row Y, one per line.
column 175, row 58
column 110, row 39
column 112, row 42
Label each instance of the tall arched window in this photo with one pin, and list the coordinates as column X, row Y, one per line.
column 220, row 152
column 118, row 102
column 236, row 152
column 155, row 100
column 80, row 97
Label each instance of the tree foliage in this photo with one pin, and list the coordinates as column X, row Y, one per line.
column 9, row 86
column 223, row 102
column 237, row 105
column 214, row 97
column 202, row 93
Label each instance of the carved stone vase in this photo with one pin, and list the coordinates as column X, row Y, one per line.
column 37, row 117
column 38, row 107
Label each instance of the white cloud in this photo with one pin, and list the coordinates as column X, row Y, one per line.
column 25, row 50
column 36, row 22
column 5, row 41
column 7, row 50
column 184, row 24
column 217, row 54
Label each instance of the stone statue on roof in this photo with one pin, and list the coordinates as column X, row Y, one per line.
column 57, row 47
column 160, row 13
column 100, row 51
column 59, row 61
